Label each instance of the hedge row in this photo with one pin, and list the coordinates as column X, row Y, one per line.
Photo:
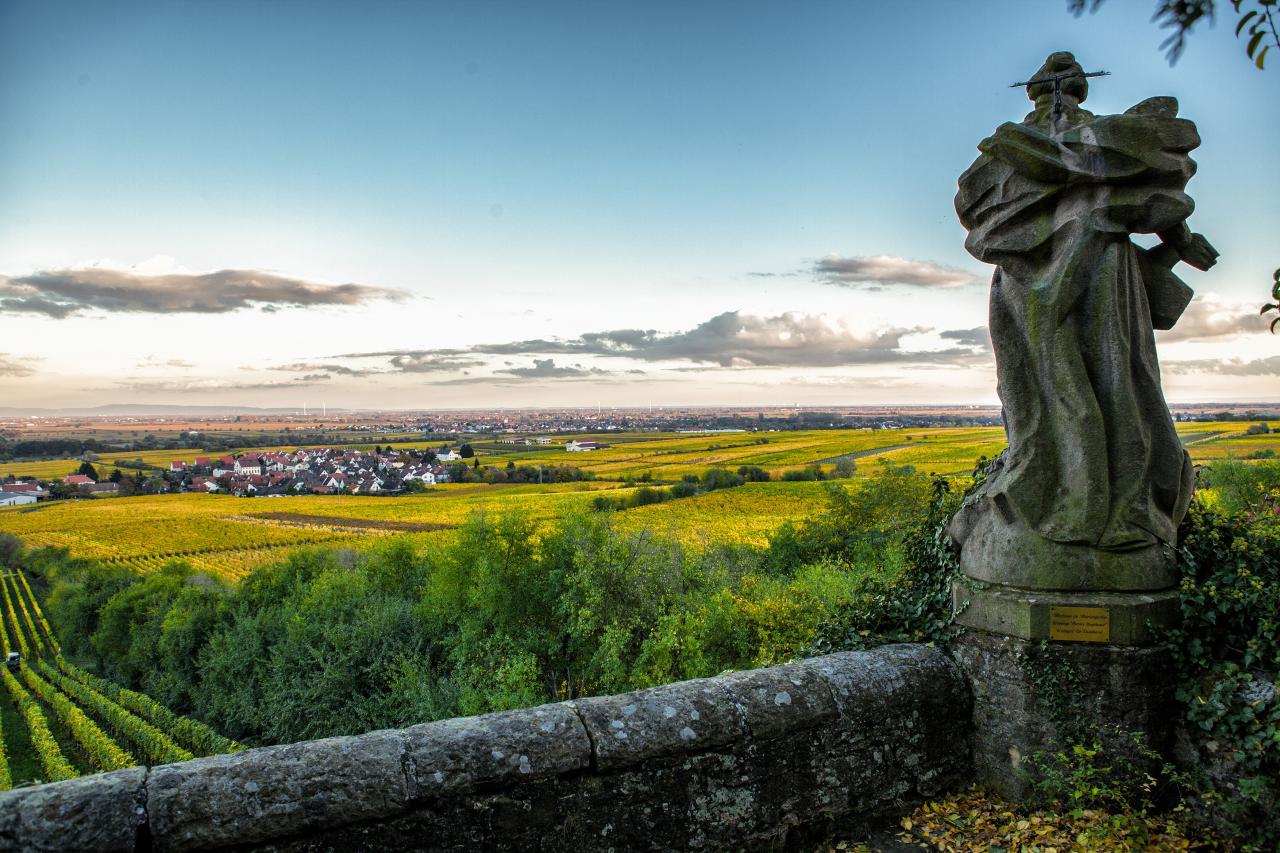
column 56, row 767
column 192, row 734
column 103, row 752
column 148, row 742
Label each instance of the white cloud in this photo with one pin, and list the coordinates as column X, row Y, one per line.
column 888, row 269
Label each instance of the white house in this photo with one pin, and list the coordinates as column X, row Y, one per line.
column 448, row 456
column 579, row 446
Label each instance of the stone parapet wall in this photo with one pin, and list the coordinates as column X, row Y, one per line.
column 773, row 758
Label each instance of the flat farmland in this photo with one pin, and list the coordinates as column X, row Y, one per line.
column 228, row 536
column 746, row 515
column 667, row 457
column 946, row 451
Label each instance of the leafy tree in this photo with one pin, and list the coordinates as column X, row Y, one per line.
column 721, row 478
column 60, row 490
column 644, row 496
column 1242, row 487
column 1257, row 21
column 1273, row 306
column 683, row 489
column 466, row 451
column 87, row 469
column 807, row 474
column 862, row 525
column 11, row 550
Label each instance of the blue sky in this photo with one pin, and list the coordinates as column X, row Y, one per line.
column 495, row 173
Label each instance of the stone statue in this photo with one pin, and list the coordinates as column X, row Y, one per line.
column 1094, row 483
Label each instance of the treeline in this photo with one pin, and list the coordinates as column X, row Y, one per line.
column 48, row 448
column 476, row 472
column 712, row 479
column 508, row 614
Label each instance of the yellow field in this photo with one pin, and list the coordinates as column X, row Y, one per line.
column 668, row 457
column 745, row 515
column 229, row 536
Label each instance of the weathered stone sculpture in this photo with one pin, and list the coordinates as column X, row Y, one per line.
column 1094, row 467
column 1072, row 531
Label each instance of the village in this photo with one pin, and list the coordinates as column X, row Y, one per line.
column 318, row 471
column 313, row 471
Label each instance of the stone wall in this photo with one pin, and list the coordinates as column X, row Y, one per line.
column 774, row 758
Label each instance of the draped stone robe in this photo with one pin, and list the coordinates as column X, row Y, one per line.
column 1093, row 458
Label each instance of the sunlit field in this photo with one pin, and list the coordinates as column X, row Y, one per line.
column 229, row 536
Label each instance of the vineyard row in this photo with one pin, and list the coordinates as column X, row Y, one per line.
column 75, row 721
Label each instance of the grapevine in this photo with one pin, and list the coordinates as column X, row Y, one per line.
column 55, row 765
column 196, row 736
column 152, row 745
column 35, row 606
column 36, row 640
column 13, row 620
column 102, row 751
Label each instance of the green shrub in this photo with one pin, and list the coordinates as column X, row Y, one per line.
column 914, row 603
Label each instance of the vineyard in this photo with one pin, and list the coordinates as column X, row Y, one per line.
column 228, row 537
column 60, row 722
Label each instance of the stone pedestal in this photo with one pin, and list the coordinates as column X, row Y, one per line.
column 1053, row 667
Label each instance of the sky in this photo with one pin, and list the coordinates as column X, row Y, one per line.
column 426, row 205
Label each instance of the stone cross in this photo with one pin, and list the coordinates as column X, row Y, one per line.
column 1056, row 81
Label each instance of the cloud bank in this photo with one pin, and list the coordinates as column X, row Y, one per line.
column 9, row 366
column 978, row 337
column 1228, row 366
column 205, row 385
column 731, row 339
column 61, row 293
column 546, row 368
column 887, row 269
column 1208, row 318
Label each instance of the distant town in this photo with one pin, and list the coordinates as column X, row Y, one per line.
column 336, row 451
column 305, row 471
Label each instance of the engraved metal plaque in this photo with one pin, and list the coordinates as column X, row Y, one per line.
column 1080, row 624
